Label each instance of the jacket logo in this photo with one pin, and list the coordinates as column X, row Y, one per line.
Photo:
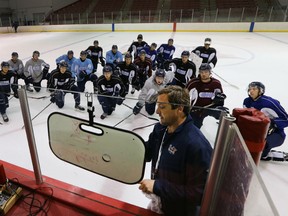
column 172, row 150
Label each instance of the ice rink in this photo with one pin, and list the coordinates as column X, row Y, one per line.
column 242, row 58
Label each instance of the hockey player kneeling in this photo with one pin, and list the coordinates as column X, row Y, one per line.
column 206, row 95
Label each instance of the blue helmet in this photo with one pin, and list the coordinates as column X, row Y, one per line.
column 258, row 85
column 160, row 73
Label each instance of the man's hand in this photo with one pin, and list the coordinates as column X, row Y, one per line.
column 147, row 185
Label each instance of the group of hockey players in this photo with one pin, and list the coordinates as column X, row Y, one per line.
column 144, row 68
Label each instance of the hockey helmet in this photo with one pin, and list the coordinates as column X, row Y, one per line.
column 107, row 68
column 142, row 52
column 70, row 52
column 36, row 52
column 207, row 41
column 96, row 42
column 128, row 55
column 185, row 53
column 258, row 85
column 140, row 36
column 171, row 39
column 160, row 73
column 114, row 47
column 5, row 64
column 14, row 54
column 204, row 67
column 63, row 64
column 83, row 52
column 154, row 45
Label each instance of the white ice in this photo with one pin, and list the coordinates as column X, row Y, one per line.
column 242, row 58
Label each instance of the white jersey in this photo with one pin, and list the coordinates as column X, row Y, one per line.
column 149, row 92
column 17, row 66
column 34, row 68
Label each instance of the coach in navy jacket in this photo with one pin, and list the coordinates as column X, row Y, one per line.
column 180, row 155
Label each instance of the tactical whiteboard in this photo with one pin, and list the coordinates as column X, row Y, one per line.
column 111, row 152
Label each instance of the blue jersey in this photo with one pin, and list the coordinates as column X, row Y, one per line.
column 67, row 60
column 113, row 58
column 167, row 51
column 80, row 65
column 271, row 108
column 152, row 54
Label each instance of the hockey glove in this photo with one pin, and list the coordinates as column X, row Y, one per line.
column 53, row 99
column 16, row 94
column 45, row 72
column 102, row 62
column 137, row 109
column 29, row 79
column 82, row 74
column 218, row 99
column 119, row 101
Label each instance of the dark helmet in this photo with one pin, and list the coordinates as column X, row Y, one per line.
column 140, row 36
column 70, row 52
column 258, row 85
column 142, row 52
column 128, row 55
column 185, row 53
column 160, row 73
column 14, row 54
column 36, row 52
column 107, row 68
column 63, row 64
column 171, row 39
column 205, row 67
column 207, row 41
column 83, row 52
column 114, row 47
column 5, row 64
column 154, row 44
column 96, row 41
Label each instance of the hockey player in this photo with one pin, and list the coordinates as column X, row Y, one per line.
column 151, row 53
column 205, row 91
column 109, row 85
column 144, row 68
column 207, row 53
column 61, row 79
column 278, row 117
column 95, row 53
column 165, row 52
column 68, row 58
column 128, row 73
column 82, row 69
column 149, row 93
column 35, row 71
column 184, row 69
column 137, row 46
column 16, row 65
column 113, row 57
column 7, row 78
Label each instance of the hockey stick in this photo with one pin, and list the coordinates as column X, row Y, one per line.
column 123, row 120
column 42, row 97
column 234, row 86
column 39, row 113
column 138, row 128
column 151, row 118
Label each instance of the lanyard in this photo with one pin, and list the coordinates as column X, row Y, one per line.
column 155, row 170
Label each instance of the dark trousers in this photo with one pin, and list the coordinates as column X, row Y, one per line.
column 142, row 80
column 273, row 140
column 198, row 116
column 60, row 96
column 150, row 108
column 108, row 104
column 4, row 103
column 91, row 77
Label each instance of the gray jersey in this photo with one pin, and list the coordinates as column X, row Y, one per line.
column 17, row 66
column 149, row 92
column 34, row 68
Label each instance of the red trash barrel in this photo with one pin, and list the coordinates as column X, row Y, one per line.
column 253, row 125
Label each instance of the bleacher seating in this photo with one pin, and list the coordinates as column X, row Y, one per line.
column 185, row 4
column 76, row 7
column 224, row 4
column 108, row 6
column 144, row 5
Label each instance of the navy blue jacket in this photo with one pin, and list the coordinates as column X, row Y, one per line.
column 183, row 167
